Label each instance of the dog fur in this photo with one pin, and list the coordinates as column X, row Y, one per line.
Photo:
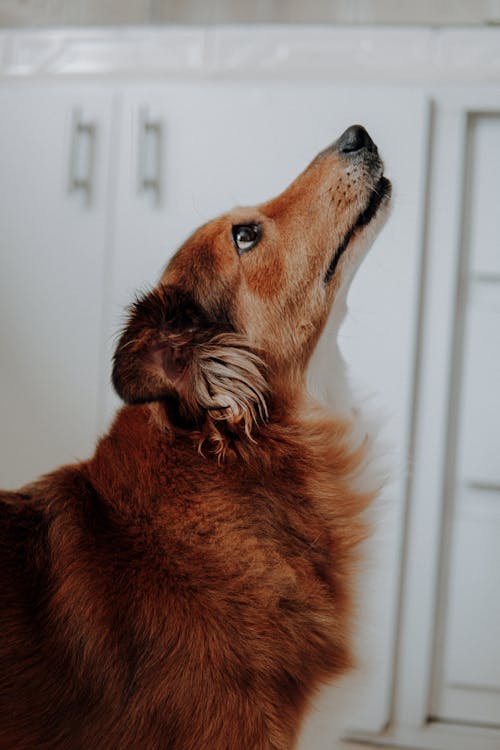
column 190, row 586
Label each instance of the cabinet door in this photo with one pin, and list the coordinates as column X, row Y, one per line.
column 54, row 152
column 214, row 145
column 468, row 681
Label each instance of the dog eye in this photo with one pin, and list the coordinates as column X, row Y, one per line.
column 246, row 236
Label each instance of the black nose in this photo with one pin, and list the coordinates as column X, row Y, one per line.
column 354, row 139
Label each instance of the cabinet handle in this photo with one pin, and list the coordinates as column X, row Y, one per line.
column 82, row 156
column 150, row 156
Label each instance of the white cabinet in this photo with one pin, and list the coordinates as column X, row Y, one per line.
column 54, row 156
column 163, row 156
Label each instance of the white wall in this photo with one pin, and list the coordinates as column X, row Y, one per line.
column 102, row 12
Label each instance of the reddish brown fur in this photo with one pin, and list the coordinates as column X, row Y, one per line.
column 189, row 586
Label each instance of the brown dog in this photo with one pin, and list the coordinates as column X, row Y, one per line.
column 190, row 586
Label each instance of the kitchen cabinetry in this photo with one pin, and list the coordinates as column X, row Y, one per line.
column 102, row 179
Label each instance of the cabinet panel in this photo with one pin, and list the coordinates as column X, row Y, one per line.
column 54, row 147
column 485, row 192
column 470, row 687
column 473, row 654
column 480, row 418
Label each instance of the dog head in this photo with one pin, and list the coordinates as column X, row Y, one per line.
column 239, row 309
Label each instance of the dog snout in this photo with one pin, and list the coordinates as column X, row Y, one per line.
column 354, row 140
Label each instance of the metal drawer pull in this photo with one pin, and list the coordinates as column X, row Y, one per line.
column 150, row 156
column 82, row 156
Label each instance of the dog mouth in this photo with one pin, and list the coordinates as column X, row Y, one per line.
column 380, row 193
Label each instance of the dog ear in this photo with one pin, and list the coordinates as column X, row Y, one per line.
column 170, row 348
column 154, row 349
